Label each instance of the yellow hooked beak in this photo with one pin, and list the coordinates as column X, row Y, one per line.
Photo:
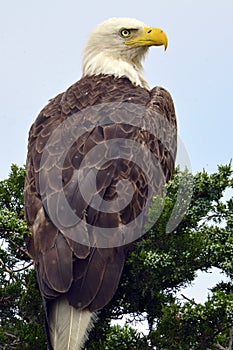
column 149, row 37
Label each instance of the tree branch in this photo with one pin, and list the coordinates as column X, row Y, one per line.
column 190, row 300
column 230, row 338
column 5, row 267
column 219, row 346
column 11, row 272
column 20, row 248
column 23, row 268
column 10, row 335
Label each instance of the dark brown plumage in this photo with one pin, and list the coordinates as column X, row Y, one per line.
column 88, row 275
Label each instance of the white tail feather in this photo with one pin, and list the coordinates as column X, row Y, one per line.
column 69, row 327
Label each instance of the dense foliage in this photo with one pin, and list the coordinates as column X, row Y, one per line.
column 161, row 264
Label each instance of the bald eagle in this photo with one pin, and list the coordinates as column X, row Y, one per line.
column 87, row 181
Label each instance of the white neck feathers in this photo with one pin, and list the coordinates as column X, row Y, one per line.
column 106, row 63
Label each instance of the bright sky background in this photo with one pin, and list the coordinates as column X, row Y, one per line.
column 41, row 46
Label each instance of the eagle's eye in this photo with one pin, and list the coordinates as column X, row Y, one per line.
column 125, row 33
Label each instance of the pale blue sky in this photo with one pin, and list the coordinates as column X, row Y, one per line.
column 41, row 45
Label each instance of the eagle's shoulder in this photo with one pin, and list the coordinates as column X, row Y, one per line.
column 162, row 102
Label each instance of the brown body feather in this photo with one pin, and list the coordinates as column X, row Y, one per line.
column 89, row 275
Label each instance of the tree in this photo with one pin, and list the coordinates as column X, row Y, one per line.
column 161, row 264
column 20, row 303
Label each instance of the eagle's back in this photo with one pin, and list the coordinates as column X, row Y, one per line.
column 85, row 267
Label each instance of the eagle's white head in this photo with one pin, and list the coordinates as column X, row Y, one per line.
column 118, row 45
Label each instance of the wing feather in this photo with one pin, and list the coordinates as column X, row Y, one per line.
column 58, row 265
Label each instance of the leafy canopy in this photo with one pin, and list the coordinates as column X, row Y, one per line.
column 161, row 264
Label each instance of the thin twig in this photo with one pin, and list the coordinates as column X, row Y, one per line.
column 23, row 268
column 10, row 335
column 5, row 267
column 20, row 248
column 190, row 300
column 11, row 272
column 6, row 299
